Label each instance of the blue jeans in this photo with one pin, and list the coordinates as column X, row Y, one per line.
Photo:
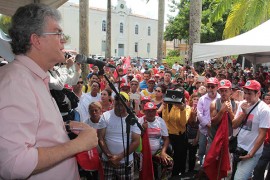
column 202, row 147
column 245, row 168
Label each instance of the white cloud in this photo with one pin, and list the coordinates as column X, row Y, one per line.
column 140, row 7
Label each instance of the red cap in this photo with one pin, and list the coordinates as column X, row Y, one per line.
column 139, row 77
column 212, row 80
column 124, row 85
column 149, row 106
column 224, row 84
column 145, row 98
column 253, row 85
column 151, row 80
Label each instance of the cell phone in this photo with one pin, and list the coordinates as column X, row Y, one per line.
column 201, row 78
column 135, row 96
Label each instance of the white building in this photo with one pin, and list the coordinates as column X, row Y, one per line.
column 131, row 35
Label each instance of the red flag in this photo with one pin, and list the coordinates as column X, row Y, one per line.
column 126, row 64
column 147, row 172
column 217, row 161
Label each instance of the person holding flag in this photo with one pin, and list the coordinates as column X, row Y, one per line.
column 222, row 111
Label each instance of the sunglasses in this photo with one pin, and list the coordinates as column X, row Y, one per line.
column 80, row 82
column 212, row 87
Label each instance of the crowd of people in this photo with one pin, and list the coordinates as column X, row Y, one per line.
column 55, row 126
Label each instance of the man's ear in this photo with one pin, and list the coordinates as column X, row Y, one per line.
column 35, row 41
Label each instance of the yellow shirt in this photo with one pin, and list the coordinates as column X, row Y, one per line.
column 176, row 119
column 88, row 89
column 145, row 92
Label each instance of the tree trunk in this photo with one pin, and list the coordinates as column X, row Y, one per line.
column 108, row 30
column 161, row 10
column 84, row 34
column 194, row 26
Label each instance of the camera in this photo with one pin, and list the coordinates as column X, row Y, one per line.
column 239, row 152
column 67, row 55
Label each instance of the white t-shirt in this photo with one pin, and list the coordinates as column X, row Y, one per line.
column 85, row 100
column 113, row 137
column 156, row 130
column 176, row 67
column 258, row 118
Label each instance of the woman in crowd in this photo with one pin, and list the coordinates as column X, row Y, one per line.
column 106, row 100
column 176, row 117
column 192, row 132
column 158, row 100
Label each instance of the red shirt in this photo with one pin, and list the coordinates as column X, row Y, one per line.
column 267, row 139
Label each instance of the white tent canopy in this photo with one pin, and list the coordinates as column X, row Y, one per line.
column 5, row 49
column 254, row 45
column 8, row 7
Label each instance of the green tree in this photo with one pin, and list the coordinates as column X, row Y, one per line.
column 178, row 27
column 243, row 15
column 5, row 22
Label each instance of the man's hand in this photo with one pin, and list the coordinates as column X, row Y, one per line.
column 244, row 107
column 114, row 160
column 87, row 136
column 164, row 158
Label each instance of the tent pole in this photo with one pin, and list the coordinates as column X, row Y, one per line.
column 243, row 62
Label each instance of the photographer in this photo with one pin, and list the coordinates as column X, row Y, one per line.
column 253, row 131
column 176, row 117
column 64, row 73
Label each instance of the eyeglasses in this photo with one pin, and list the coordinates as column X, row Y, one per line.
column 80, row 82
column 157, row 90
column 60, row 34
column 212, row 87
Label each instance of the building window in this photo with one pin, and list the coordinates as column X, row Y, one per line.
column 121, row 28
column 103, row 25
column 137, row 29
column 136, row 47
column 103, row 46
column 148, row 47
column 149, row 31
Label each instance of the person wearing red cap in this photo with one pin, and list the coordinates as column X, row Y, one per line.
column 253, row 131
column 221, row 109
column 144, row 100
column 203, row 112
column 221, row 105
column 155, row 131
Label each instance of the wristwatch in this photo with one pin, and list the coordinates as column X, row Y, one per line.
column 67, row 126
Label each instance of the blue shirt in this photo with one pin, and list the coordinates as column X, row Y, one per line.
column 143, row 85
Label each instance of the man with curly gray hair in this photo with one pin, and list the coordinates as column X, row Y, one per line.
column 33, row 137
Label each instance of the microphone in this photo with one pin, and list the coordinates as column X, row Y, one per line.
column 82, row 59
